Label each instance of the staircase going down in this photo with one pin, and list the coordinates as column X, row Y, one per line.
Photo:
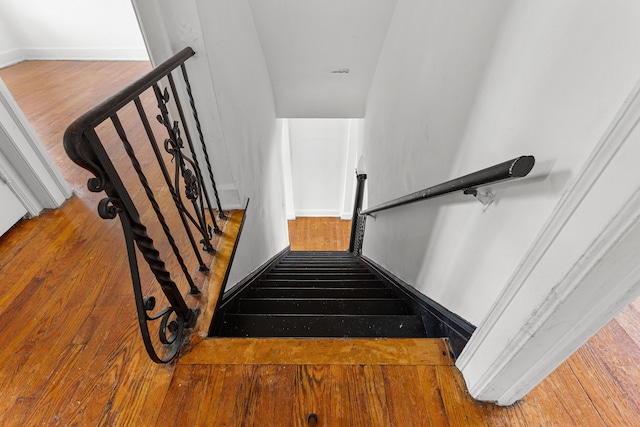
column 319, row 294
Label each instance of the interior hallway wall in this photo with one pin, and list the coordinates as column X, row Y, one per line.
column 466, row 98
column 322, row 164
column 69, row 29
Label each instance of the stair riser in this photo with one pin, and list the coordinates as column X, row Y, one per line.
column 325, row 306
column 313, row 261
column 319, row 253
column 237, row 325
column 321, row 293
column 275, row 283
column 328, row 269
column 306, row 276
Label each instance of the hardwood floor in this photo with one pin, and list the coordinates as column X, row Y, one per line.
column 71, row 351
column 319, row 234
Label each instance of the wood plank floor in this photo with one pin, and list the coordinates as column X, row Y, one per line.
column 71, row 351
column 319, row 234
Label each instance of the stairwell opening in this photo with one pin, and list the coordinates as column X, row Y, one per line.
column 319, row 163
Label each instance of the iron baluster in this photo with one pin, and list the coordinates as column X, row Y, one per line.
column 85, row 148
column 221, row 214
column 167, row 178
column 184, row 317
column 187, row 134
column 154, row 204
column 174, row 145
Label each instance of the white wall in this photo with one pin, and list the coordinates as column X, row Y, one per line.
column 319, row 149
column 350, row 181
column 541, row 78
column 9, row 49
column 69, row 29
column 253, row 135
column 430, row 70
column 319, row 158
column 287, row 174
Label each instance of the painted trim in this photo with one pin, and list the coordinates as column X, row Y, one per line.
column 41, row 185
column 487, row 376
column 452, row 326
column 14, row 181
column 564, row 210
column 618, row 241
column 318, row 213
column 14, row 56
column 229, row 197
column 79, row 54
column 11, row 57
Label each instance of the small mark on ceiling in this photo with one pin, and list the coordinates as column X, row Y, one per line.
column 341, row 71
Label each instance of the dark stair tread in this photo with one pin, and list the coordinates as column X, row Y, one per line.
column 320, row 294
column 368, row 326
column 353, row 306
column 320, row 265
column 323, row 269
column 319, row 276
column 320, row 262
column 335, row 254
column 293, row 292
column 289, row 283
column 314, row 272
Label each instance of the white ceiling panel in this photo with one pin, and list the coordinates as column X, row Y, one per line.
column 321, row 54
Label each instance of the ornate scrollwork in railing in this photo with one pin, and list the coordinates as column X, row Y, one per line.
column 184, row 185
column 361, row 222
column 185, row 167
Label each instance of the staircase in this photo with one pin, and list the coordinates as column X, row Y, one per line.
column 319, row 294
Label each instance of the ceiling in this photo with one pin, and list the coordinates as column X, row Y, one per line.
column 321, row 54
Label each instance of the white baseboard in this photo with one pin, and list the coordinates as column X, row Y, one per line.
column 229, row 197
column 318, row 213
column 10, row 57
column 71, row 54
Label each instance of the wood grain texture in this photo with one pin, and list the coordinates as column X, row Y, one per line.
column 407, row 406
column 312, row 394
column 319, row 234
column 320, row 351
column 71, row 351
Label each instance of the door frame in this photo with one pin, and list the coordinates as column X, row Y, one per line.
column 27, row 167
column 579, row 273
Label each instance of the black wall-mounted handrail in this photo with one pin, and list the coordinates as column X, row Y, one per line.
column 515, row 168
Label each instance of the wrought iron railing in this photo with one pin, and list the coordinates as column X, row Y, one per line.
column 357, row 220
column 514, row 168
column 166, row 197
